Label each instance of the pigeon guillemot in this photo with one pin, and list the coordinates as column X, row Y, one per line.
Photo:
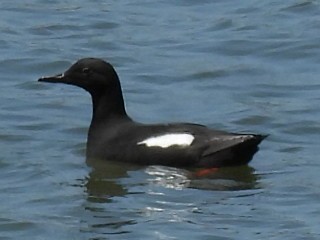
column 113, row 135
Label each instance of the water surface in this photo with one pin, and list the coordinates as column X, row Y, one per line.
column 249, row 66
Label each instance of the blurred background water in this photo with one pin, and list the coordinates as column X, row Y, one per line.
column 236, row 65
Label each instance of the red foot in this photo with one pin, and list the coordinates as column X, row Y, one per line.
column 205, row 171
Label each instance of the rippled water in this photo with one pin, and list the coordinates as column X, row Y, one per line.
column 239, row 66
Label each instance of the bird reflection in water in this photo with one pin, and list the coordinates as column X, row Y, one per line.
column 106, row 178
column 112, row 189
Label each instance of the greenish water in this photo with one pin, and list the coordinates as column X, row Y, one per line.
column 239, row 66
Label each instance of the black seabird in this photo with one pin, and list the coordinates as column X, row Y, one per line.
column 113, row 135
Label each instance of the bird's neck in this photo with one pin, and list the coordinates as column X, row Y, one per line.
column 108, row 106
column 108, row 113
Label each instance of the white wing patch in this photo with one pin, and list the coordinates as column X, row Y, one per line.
column 168, row 140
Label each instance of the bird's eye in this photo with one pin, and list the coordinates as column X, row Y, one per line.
column 86, row 70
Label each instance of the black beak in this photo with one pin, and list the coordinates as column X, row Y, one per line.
column 60, row 78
